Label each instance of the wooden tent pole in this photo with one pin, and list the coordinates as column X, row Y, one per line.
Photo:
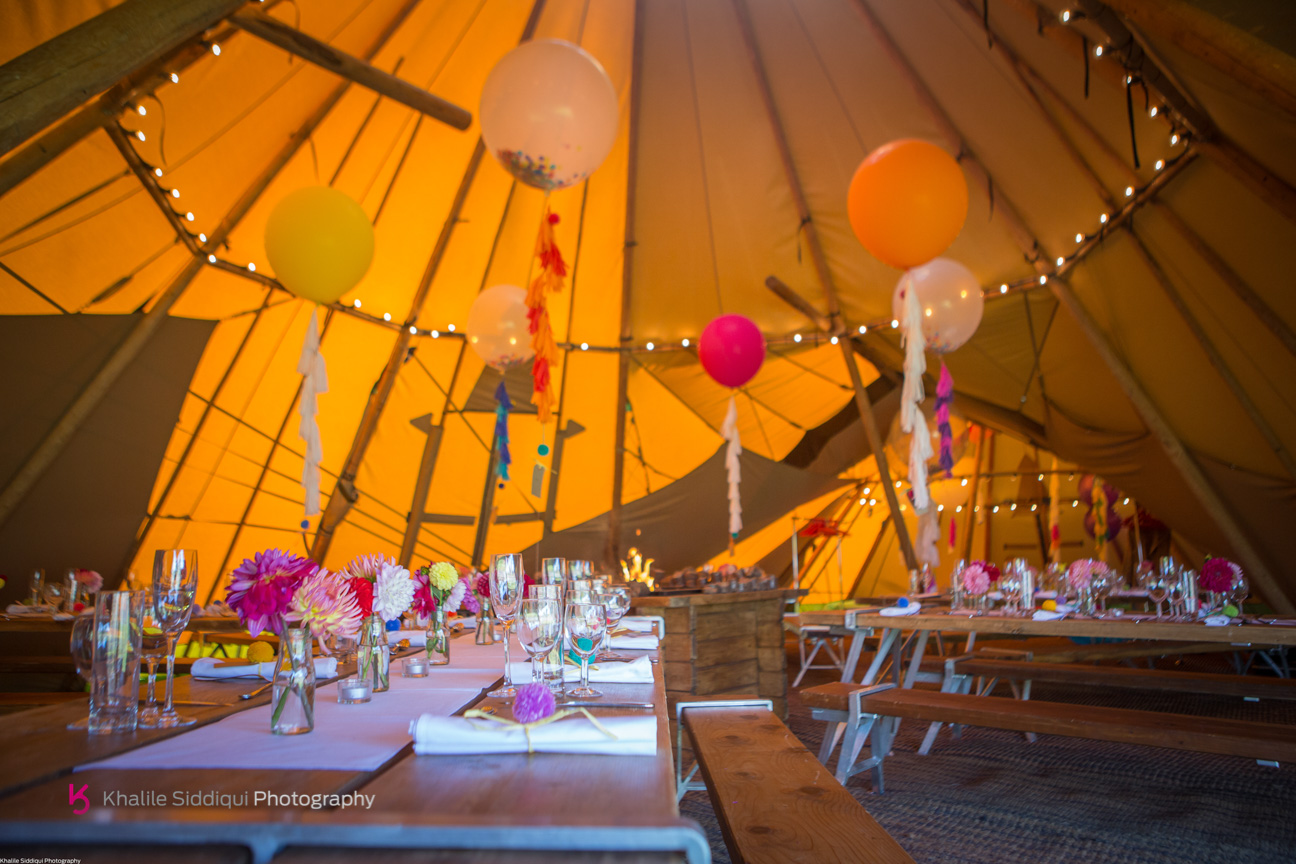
column 1227, row 154
column 344, row 493
column 1213, row 355
column 1029, row 79
column 1236, row 283
column 613, row 554
column 1250, row 61
column 353, row 69
column 824, row 274
column 970, row 520
column 1152, row 417
column 73, row 128
column 1256, row 566
column 989, row 520
column 40, row 86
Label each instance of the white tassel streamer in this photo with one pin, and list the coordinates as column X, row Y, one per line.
column 314, row 382
column 733, row 465
column 927, row 543
column 911, row 397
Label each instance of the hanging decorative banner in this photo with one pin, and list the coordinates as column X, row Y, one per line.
column 314, row 382
column 553, row 270
column 503, row 404
column 953, row 535
column 1055, row 515
column 944, row 396
column 911, row 416
column 733, row 469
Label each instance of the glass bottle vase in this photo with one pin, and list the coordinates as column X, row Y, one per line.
column 438, row 639
column 374, row 661
column 293, row 702
column 485, row 625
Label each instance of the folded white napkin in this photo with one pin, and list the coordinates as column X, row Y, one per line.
column 635, row 736
column 417, row 638
column 641, row 642
column 1046, row 595
column 637, row 671
column 1046, row 615
column 893, row 611
column 637, row 623
column 204, row 669
column 1217, row 621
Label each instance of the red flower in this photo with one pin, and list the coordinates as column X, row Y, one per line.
column 994, row 572
column 363, row 589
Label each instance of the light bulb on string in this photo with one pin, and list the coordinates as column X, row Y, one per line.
column 215, row 49
column 189, row 217
column 1098, row 49
column 356, row 303
column 251, row 266
column 386, row 316
column 1060, row 261
column 863, row 329
column 1160, row 163
column 211, row 259
column 413, row 330
column 143, row 112
column 650, row 346
column 584, row 346
column 202, row 238
column 450, row 327
column 175, row 193
column 796, row 337
column 1152, row 112
column 1003, row 289
column 157, row 172
column 1174, row 139
column 833, row 340
column 1043, row 279
column 1080, row 238
column 1129, row 191
column 1103, row 218
column 436, row 334
column 684, row 342
column 139, row 135
column 175, row 79
column 894, row 323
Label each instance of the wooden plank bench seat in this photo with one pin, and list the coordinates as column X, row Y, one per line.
column 877, row 710
column 1059, row 649
column 1246, row 686
column 772, row 797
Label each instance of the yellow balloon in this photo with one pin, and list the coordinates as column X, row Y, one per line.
column 319, row 242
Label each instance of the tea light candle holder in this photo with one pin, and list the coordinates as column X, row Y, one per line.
column 415, row 667
column 354, row 691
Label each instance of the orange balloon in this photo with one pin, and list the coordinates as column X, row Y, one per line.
column 907, row 202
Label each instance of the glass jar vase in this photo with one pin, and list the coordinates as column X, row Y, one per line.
column 374, row 661
column 293, row 702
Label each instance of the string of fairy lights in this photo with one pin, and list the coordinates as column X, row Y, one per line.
column 1029, row 503
column 1086, row 241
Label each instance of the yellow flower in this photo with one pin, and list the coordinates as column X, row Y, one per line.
column 442, row 576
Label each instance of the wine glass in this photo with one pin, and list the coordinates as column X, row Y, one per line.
column 1010, row 585
column 539, row 625
column 506, row 591
column 154, row 643
column 1157, row 589
column 586, row 624
column 175, row 582
column 82, row 647
column 616, row 603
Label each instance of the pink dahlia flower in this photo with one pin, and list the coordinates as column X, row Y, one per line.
column 976, row 578
column 1219, row 575
column 326, row 603
column 260, row 590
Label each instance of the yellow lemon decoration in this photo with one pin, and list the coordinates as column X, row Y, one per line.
column 319, row 242
column 1049, row 605
column 260, row 652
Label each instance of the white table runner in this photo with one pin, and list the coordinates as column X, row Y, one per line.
column 346, row 737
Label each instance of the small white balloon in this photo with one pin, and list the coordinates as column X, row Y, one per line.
column 950, row 299
column 497, row 326
column 549, row 113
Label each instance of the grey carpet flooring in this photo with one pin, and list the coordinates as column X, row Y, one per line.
column 992, row 798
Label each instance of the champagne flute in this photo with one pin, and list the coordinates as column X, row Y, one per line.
column 586, row 624
column 175, row 582
column 539, row 625
column 154, row 643
column 82, row 647
column 506, row 591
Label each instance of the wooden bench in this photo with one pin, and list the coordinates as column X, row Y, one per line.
column 772, row 798
column 877, row 710
column 1250, row 687
column 1057, row 649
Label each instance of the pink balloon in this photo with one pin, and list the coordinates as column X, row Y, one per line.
column 732, row 350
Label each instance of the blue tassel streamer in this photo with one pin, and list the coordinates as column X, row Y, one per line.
column 501, row 432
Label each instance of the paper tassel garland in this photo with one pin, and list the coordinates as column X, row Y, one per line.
column 314, row 382
column 911, row 417
column 733, row 469
column 504, row 458
column 944, row 396
column 1100, row 504
column 553, row 270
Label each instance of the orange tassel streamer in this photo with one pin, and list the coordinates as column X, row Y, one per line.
column 553, row 271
